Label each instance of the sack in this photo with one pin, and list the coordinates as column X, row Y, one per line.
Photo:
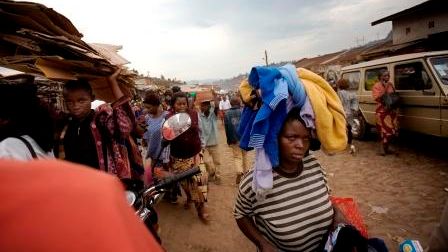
column 351, row 212
column 391, row 100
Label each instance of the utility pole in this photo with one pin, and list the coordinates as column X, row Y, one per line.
column 266, row 57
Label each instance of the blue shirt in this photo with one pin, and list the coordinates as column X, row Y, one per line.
column 209, row 129
column 153, row 135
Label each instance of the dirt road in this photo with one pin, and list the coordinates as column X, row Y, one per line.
column 399, row 196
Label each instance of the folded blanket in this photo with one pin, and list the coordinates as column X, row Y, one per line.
column 329, row 113
column 245, row 91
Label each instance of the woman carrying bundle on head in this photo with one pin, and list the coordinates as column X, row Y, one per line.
column 283, row 204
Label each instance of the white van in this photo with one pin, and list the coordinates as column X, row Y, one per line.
column 421, row 79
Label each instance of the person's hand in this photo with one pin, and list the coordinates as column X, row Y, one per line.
column 114, row 75
column 338, row 217
column 267, row 247
column 112, row 79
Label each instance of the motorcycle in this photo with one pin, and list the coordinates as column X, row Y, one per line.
column 144, row 199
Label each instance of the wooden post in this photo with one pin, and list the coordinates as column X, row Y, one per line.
column 266, row 57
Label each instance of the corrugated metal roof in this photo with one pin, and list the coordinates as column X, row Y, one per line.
column 310, row 62
column 345, row 57
column 395, row 58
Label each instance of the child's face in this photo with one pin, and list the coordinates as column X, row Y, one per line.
column 181, row 105
column 152, row 109
column 205, row 106
column 78, row 103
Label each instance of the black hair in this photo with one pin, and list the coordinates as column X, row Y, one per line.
column 294, row 115
column 177, row 96
column 23, row 113
column 175, row 89
column 235, row 101
column 381, row 72
column 80, row 84
column 152, row 98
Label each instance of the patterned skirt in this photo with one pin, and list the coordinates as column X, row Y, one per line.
column 387, row 125
column 196, row 186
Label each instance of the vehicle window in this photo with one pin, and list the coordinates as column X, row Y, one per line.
column 372, row 77
column 353, row 79
column 441, row 66
column 411, row 76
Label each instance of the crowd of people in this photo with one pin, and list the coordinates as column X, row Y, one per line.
column 283, row 201
column 110, row 137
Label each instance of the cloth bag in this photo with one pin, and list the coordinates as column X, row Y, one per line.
column 391, row 100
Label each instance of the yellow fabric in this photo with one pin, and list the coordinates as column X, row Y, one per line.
column 328, row 111
column 245, row 91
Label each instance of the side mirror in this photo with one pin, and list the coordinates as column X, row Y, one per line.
column 175, row 126
column 130, row 197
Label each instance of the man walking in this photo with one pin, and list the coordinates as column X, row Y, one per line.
column 224, row 105
column 231, row 122
column 209, row 140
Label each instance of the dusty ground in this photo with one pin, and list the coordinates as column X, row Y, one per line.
column 409, row 188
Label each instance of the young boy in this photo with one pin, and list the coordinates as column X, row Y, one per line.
column 100, row 138
column 231, row 122
column 209, row 140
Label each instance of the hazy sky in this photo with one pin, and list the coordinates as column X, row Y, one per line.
column 190, row 39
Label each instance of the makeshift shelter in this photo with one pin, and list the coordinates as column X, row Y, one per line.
column 38, row 40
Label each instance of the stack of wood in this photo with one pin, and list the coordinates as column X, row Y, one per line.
column 38, row 40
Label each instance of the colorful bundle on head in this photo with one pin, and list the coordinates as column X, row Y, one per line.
column 280, row 89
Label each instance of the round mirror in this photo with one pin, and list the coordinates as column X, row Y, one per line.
column 175, row 126
column 130, row 197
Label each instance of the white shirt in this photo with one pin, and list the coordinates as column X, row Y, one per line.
column 224, row 105
column 14, row 148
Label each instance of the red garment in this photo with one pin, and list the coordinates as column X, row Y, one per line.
column 59, row 206
column 386, row 120
column 116, row 122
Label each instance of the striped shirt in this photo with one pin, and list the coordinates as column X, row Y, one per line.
column 296, row 213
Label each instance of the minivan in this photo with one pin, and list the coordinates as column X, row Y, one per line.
column 421, row 80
